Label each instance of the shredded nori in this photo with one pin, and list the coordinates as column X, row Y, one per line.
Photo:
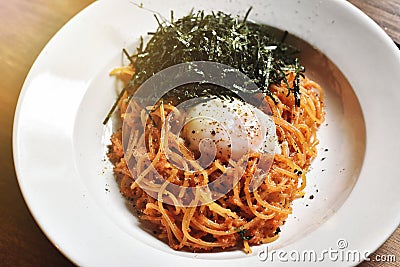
column 277, row 231
column 242, row 234
column 217, row 37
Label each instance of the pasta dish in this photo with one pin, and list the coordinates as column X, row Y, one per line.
column 163, row 172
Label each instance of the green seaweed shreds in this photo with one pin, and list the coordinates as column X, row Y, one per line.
column 222, row 38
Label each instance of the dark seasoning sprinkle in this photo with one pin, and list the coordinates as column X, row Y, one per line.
column 221, row 38
column 216, row 37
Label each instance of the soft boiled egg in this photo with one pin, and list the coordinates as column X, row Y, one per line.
column 228, row 128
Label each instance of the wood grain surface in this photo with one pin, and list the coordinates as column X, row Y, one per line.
column 25, row 27
column 385, row 12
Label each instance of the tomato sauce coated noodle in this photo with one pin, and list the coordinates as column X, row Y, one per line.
column 241, row 218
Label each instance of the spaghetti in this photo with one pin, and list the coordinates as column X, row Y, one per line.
column 241, row 218
column 149, row 159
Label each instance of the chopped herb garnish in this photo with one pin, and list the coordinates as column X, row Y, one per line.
column 242, row 234
column 222, row 38
column 277, row 231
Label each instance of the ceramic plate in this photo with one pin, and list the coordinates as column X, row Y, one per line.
column 60, row 143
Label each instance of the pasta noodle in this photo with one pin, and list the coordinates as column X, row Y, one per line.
column 241, row 218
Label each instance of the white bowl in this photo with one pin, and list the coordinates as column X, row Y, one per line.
column 60, row 142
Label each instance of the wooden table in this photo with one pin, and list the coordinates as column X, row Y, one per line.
column 26, row 26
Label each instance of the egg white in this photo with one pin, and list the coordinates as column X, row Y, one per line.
column 229, row 128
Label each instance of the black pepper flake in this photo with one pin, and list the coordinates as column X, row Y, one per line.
column 277, row 231
column 311, row 197
column 298, row 172
column 323, row 158
column 242, row 234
